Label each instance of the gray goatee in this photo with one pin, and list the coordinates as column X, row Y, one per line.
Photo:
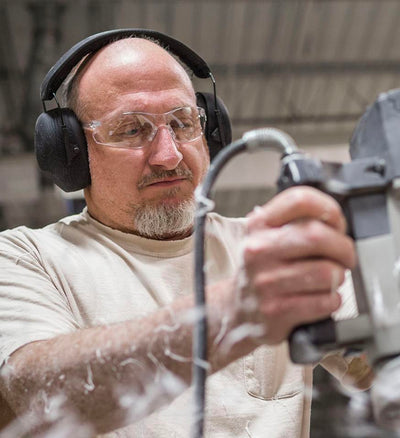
column 162, row 221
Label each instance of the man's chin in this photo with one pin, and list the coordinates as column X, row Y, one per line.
column 171, row 218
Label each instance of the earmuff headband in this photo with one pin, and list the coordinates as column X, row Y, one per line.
column 57, row 74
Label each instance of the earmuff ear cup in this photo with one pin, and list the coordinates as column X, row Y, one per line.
column 216, row 138
column 61, row 149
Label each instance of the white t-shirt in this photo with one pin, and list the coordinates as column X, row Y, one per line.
column 78, row 273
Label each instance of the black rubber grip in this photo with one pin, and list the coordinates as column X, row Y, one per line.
column 307, row 342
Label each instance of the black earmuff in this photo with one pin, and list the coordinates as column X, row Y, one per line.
column 217, row 117
column 60, row 143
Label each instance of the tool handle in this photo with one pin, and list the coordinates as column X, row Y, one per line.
column 308, row 342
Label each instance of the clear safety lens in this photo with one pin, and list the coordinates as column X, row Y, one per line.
column 137, row 130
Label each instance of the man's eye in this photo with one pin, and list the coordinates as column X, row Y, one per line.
column 131, row 131
column 128, row 130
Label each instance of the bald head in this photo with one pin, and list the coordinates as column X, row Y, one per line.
column 137, row 63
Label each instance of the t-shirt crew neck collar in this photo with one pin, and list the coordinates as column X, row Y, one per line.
column 157, row 248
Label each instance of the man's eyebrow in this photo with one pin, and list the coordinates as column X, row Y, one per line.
column 136, row 111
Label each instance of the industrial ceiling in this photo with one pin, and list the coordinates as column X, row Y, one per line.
column 308, row 66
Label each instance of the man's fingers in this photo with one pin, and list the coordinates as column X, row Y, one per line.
column 282, row 315
column 308, row 276
column 294, row 258
column 298, row 203
column 309, row 239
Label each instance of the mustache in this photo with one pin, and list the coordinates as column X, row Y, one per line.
column 158, row 175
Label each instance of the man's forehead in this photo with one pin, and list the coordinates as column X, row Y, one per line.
column 130, row 73
column 143, row 59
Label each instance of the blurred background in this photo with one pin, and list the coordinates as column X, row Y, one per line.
column 309, row 67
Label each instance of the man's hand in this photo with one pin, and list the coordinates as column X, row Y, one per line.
column 294, row 259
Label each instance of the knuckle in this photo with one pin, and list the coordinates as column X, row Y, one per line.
column 256, row 246
column 272, row 308
column 250, row 252
column 298, row 197
column 323, row 304
column 265, row 284
column 330, row 273
column 315, row 232
column 334, row 208
column 325, row 271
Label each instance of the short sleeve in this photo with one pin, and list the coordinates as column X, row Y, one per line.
column 31, row 308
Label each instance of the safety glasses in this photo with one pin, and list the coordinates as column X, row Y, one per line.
column 138, row 129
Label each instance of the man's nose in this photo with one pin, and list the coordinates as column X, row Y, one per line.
column 163, row 150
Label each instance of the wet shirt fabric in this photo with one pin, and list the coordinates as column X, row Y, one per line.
column 78, row 273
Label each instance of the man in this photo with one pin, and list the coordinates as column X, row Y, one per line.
column 97, row 312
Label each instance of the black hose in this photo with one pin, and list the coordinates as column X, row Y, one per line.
column 200, row 329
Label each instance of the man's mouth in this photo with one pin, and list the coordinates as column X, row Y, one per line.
column 165, row 178
column 166, row 182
